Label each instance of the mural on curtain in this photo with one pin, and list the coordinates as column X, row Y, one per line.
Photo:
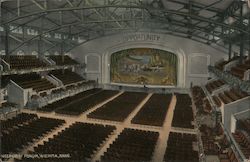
column 144, row 66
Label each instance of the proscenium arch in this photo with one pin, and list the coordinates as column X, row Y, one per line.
column 181, row 69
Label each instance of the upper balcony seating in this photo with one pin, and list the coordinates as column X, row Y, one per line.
column 23, row 62
column 221, row 64
column 243, row 141
column 240, row 69
column 14, row 140
column 183, row 113
column 59, row 60
column 200, row 100
column 244, row 125
column 132, row 145
column 67, row 76
column 119, row 108
column 65, row 101
column 84, row 104
column 211, row 86
column 215, row 142
column 242, row 136
column 180, row 148
column 33, row 81
column 80, row 141
column 154, row 110
column 232, row 95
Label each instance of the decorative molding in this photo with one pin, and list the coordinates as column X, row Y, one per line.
column 99, row 62
column 181, row 69
column 193, row 55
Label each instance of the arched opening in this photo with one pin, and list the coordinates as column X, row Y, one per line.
column 148, row 66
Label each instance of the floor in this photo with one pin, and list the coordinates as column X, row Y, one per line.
column 163, row 131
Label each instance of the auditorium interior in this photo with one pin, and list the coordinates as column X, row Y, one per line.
column 125, row 81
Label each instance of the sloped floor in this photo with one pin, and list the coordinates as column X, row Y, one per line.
column 163, row 131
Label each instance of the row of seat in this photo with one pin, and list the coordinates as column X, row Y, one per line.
column 31, row 61
column 17, row 120
column 220, row 65
column 243, row 141
column 68, row 100
column 23, row 62
column 231, row 95
column 84, row 104
column 132, row 145
column 154, row 110
column 213, row 85
column 244, row 124
column 183, row 113
column 33, row 81
column 216, row 143
column 67, row 76
column 200, row 100
column 14, row 140
column 180, row 148
column 119, row 108
column 240, row 69
column 79, row 140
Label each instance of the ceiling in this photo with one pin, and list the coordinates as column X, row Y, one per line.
column 213, row 22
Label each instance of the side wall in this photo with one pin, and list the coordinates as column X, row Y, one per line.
column 193, row 57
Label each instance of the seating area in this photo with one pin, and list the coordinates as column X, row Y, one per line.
column 25, row 129
column 84, row 104
column 63, row 60
column 132, row 145
column 17, row 120
column 33, row 81
column 221, row 64
column 180, row 148
column 80, row 141
column 244, row 124
column 242, row 136
column 183, row 113
column 240, row 69
column 213, row 85
column 215, row 142
column 119, row 108
column 200, row 100
column 243, row 140
column 23, row 62
column 154, row 110
column 67, row 76
column 68, row 100
column 231, row 95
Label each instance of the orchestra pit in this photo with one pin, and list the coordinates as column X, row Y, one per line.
column 125, row 81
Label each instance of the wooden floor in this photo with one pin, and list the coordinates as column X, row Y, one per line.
column 163, row 131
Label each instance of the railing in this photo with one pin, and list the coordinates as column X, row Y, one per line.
column 40, row 69
column 230, row 79
column 234, row 145
column 42, row 101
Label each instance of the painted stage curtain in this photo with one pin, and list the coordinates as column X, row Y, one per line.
column 144, row 66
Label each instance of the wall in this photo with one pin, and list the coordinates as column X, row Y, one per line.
column 194, row 57
column 233, row 108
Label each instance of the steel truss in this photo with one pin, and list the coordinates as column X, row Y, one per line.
column 90, row 19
